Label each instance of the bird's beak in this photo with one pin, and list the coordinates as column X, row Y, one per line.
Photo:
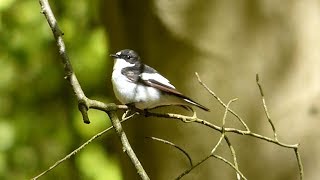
column 114, row 55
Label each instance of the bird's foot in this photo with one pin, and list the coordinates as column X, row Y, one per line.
column 145, row 112
column 132, row 107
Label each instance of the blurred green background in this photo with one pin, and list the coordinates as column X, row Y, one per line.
column 227, row 42
column 39, row 120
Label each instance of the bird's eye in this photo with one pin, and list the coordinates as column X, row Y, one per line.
column 128, row 57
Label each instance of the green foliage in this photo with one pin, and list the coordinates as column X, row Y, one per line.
column 39, row 120
column 104, row 167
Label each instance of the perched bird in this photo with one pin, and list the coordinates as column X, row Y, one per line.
column 135, row 83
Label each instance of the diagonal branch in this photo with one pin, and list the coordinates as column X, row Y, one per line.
column 83, row 102
column 126, row 146
column 233, row 153
column 175, row 146
column 68, row 70
column 231, row 165
column 193, row 167
column 265, row 108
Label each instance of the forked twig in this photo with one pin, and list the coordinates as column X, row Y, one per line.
column 223, row 136
column 205, row 159
column 296, row 148
column 221, row 102
column 190, row 169
column 222, row 127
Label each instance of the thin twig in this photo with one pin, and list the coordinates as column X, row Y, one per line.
column 174, row 145
column 231, row 165
column 222, row 127
column 205, row 159
column 296, row 151
column 190, row 169
column 79, row 148
column 218, row 143
column 226, row 111
column 233, row 153
column 221, row 102
column 265, row 108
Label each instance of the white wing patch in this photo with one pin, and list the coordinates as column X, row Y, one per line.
column 156, row 77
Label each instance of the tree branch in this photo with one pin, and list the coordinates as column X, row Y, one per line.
column 68, row 70
column 85, row 103
column 126, row 145
column 218, row 128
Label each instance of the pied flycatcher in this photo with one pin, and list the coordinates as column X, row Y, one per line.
column 140, row 85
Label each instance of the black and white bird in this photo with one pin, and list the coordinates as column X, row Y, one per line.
column 140, row 85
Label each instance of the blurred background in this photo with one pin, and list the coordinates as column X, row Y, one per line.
column 226, row 42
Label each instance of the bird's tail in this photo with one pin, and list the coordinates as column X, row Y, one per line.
column 196, row 104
